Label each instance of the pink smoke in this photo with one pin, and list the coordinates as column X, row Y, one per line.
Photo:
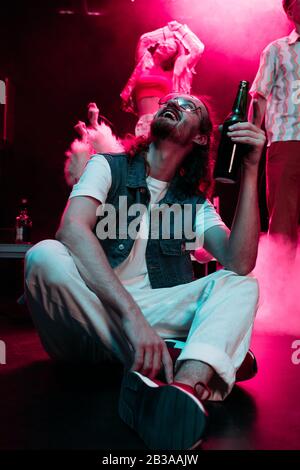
column 279, row 280
column 234, row 27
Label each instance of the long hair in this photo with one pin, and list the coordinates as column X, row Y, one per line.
column 195, row 173
column 286, row 5
column 194, row 176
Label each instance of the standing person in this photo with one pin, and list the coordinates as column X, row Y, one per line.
column 165, row 63
column 92, row 296
column 276, row 89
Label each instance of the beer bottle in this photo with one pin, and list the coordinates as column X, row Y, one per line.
column 23, row 224
column 229, row 153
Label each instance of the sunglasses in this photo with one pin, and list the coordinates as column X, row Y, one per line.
column 184, row 103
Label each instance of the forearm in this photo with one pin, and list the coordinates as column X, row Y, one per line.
column 150, row 39
column 194, row 46
column 191, row 43
column 95, row 269
column 256, row 113
column 243, row 240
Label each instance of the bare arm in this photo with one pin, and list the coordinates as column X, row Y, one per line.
column 76, row 233
column 237, row 249
column 244, row 236
column 257, row 112
column 192, row 44
column 149, row 39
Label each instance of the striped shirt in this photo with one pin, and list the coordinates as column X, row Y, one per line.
column 278, row 80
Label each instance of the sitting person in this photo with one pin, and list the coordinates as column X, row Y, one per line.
column 107, row 287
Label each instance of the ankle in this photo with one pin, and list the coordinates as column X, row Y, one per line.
column 197, row 375
column 202, row 391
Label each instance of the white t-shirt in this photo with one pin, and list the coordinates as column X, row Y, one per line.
column 96, row 181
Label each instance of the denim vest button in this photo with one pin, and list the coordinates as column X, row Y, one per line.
column 121, row 247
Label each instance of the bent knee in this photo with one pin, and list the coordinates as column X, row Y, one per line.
column 251, row 290
column 252, row 284
column 247, row 286
column 43, row 261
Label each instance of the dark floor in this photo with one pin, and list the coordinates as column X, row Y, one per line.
column 46, row 406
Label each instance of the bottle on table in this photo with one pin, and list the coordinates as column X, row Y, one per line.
column 23, row 224
column 230, row 154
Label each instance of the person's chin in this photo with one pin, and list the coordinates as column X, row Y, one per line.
column 161, row 129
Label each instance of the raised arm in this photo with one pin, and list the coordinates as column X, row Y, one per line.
column 148, row 40
column 237, row 249
column 192, row 44
column 191, row 49
column 143, row 59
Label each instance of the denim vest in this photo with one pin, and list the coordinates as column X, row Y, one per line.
column 168, row 262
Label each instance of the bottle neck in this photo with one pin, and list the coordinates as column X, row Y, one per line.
column 23, row 213
column 240, row 102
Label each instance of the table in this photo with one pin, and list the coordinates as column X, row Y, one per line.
column 14, row 250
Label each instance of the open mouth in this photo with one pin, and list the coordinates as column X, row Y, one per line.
column 170, row 114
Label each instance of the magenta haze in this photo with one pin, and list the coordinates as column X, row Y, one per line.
column 2, row 352
column 159, row 218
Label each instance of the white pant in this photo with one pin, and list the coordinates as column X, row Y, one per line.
column 215, row 313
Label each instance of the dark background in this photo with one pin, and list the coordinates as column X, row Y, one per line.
column 57, row 64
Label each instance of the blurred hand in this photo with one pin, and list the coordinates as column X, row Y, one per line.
column 174, row 25
column 80, row 127
column 150, row 351
column 93, row 114
column 180, row 66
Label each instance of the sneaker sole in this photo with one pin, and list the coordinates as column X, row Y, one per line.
column 165, row 417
